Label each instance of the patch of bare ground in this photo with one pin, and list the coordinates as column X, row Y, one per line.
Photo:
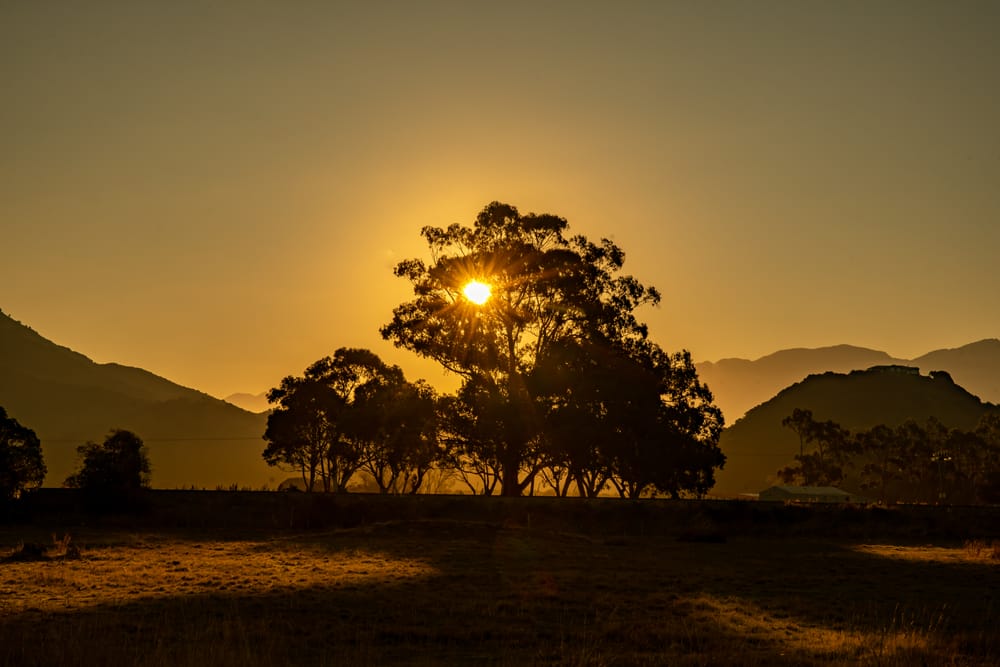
column 461, row 592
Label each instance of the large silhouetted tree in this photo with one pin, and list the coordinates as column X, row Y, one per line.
column 301, row 429
column 636, row 418
column 687, row 426
column 397, row 423
column 579, row 389
column 548, row 290
column 351, row 411
column 21, row 464
column 664, row 429
column 472, row 431
column 309, row 429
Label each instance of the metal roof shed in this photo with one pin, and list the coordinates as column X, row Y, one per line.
column 807, row 494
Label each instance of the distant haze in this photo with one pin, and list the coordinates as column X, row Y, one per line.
column 249, row 402
column 218, row 193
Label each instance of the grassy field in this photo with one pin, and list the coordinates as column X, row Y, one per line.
column 445, row 591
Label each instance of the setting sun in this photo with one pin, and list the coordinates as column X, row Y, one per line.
column 477, row 292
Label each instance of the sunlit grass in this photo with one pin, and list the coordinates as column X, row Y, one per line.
column 134, row 568
column 896, row 641
column 968, row 552
column 430, row 592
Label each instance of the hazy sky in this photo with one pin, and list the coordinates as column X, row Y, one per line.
column 219, row 194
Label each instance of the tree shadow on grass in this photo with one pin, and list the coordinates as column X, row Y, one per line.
column 459, row 592
column 826, row 577
column 933, row 602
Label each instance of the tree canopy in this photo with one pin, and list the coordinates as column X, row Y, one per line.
column 21, row 463
column 113, row 472
column 348, row 412
column 557, row 304
column 397, row 423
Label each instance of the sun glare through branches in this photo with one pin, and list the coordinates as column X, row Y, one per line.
column 477, row 292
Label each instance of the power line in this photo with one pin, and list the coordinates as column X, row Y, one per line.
column 182, row 439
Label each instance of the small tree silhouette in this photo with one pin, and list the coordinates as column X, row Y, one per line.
column 113, row 474
column 21, row 464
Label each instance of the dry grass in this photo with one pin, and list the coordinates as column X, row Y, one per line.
column 985, row 549
column 449, row 592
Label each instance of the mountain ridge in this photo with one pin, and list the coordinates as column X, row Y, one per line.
column 68, row 399
column 740, row 384
column 757, row 445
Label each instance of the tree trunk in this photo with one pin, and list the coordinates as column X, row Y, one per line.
column 511, row 471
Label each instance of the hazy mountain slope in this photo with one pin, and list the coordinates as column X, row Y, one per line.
column 68, row 399
column 21, row 348
column 250, row 402
column 758, row 445
column 740, row 384
column 975, row 366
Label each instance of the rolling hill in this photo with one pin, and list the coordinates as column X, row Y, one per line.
column 975, row 366
column 740, row 384
column 67, row 399
column 757, row 445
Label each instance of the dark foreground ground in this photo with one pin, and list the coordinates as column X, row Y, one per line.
column 588, row 584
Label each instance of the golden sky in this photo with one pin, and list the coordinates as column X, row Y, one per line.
column 218, row 194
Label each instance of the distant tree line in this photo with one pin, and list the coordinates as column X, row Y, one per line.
column 913, row 462
column 562, row 389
